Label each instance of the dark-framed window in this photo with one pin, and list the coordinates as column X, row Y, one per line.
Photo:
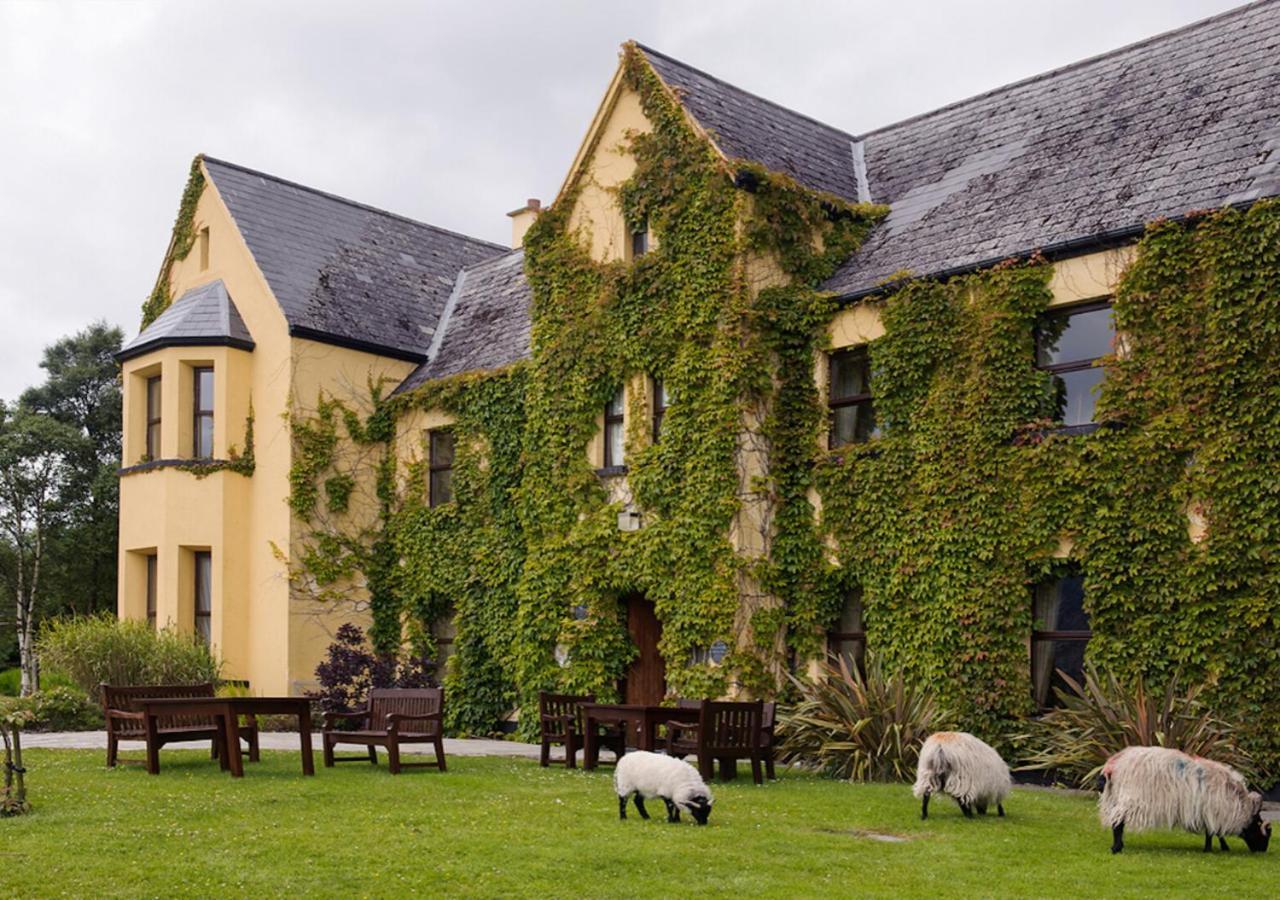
column 153, row 417
column 848, row 638
column 1060, row 633
column 661, row 401
column 852, row 413
column 202, row 412
column 440, row 466
column 640, row 241
column 445, row 633
column 204, row 596
column 615, row 444
column 153, row 587
column 1069, row 342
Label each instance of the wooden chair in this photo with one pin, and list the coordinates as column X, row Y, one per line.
column 391, row 717
column 726, row 732
column 125, row 721
column 560, row 722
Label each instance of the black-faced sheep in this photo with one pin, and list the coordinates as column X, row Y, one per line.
column 960, row 765
column 642, row 774
column 1154, row 787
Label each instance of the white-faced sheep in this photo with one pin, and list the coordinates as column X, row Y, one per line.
column 1154, row 787
column 960, row 765
column 641, row 774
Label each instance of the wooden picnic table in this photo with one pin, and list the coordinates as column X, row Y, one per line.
column 227, row 712
column 639, row 723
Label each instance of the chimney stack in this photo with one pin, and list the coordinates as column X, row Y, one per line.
column 522, row 218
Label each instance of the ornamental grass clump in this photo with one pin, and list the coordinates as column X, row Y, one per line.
column 860, row 725
column 1102, row 716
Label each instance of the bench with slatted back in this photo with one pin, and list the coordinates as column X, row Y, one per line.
column 391, row 717
column 126, row 722
column 725, row 731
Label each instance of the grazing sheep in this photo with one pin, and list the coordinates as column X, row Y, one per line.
column 642, row 774
column 1154, row 787
column 958, row 764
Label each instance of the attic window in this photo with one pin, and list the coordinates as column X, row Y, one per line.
column 202, row 243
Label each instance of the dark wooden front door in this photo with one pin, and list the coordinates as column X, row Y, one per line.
column 646, row 680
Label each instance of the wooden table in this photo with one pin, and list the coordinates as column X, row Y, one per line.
column 227, row 711
column 640, row 725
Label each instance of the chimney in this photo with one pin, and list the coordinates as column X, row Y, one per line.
column 522, row 218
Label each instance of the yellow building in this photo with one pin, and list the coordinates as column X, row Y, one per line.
column 288, row 295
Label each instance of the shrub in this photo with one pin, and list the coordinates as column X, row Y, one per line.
column 861, row 726
column 10, row 682
column 91, row 650
column 1102, row 717
column 56, row 709
column 351, row 668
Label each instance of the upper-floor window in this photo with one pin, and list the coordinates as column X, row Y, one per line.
column 153, row 417
column 661, row 401
column 640, row 241
column 440, row 466
column 852, row 414
column 1068, row 344
column 202, row 412
column 848, row 639
column 153, row 587
column 204, row 596
column 614, row 431
column 1060, row 633
column 202, row 241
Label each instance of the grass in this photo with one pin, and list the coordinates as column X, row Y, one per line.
column 492, row 827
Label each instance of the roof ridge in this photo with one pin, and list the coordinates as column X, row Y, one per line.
column 773, row 103
column 349, row 202
column 498, row 259
column 1072, row 66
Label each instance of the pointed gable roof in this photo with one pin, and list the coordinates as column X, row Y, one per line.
column 1091, row 152
column 203, row 316
column 342, row 272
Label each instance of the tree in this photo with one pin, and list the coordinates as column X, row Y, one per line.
column 37, row 465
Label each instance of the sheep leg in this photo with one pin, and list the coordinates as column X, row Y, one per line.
column 673, row 811
column 1000, row 810
column 966, row 809
column 1222, row 842
column 981, row 808
column 1208, row 842
column 644, row 813
column 924, row 806
column 622, row 807
column 1117, row 838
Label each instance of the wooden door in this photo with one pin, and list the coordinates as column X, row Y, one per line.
column 646, row 680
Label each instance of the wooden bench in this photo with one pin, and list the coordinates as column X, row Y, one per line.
column 560, row 720
column 725, row 731
column 126, row 721
column 391, row 717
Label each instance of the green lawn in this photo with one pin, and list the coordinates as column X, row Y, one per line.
column 505, row 827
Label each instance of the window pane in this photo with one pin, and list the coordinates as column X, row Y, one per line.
column 152, row 587
column 1072, row 338
column 204, row 390
column 441, row 449
column 153, row 440
column 1059, row 606
column 853, row 424
column 204, row 436
column 441, row 486
column 615, row 448
column 153, row 398
column 640, row 242
column 204, row 583
column 1076, row 395
column 850, row 373
column 615, row 406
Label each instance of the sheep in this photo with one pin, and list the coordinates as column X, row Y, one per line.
column 960, row 765
column 1155, row 787
column 643, row 774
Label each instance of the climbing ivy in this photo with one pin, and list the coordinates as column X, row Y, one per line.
column 180, row 244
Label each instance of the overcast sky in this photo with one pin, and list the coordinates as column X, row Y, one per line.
column 448, row 112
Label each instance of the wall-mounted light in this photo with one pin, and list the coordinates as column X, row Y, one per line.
column 562, row 655
column 629, row 519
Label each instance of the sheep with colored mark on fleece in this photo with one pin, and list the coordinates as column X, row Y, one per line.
column 968, row 769
column 642, row 775
column 1155, row 787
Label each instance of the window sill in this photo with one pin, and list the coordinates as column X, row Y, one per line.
column 198, row 466
column 611, row 471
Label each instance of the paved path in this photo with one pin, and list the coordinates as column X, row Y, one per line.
column 280, row 740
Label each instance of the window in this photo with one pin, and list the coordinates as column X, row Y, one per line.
column 614, row 434
column 440, row 466
column 153, row 585
column 202, row 239
column 153, row 417
column 204, row 596
column 640, row 241
column 853, row 417
column 1060, row 632
column 202, row 412
column 1068, row 344
column 849, row 639
column 661, row 400
column 445, row 633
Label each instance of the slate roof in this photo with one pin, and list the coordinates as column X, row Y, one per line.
column 1183, row 121
column 750, row 128
column 486, row 322
column 343, row 272
column 203, row 316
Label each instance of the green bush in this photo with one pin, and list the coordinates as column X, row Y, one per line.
column 56, row 709
column 10, row 682
column 1103, row 716
column 91, row 650
column 861, row 726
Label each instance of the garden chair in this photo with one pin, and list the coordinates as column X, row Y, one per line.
column 125, row 721
column 560, row 722
column 725, row 731
column 391, row 717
